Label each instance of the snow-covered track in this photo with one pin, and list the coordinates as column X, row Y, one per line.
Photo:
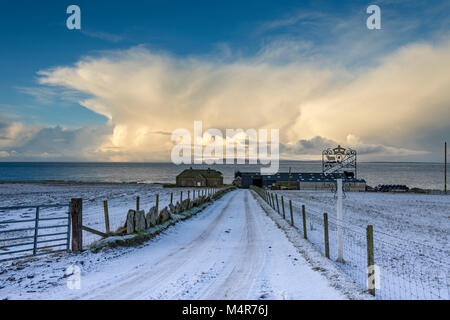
column 231, row 250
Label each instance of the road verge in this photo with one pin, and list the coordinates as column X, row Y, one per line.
column 315, row 259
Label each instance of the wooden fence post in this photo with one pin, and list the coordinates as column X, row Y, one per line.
column 278, row 205
column 157, row 203
column 325, row 232
column 292, row 214
column 370, row 260
column 305, row 235
column 36, row 231
column 76, row 212
column 273, row 201
column 181, row 197
column 137, row 203
column 193, row 194
column 105, row 209
column 171, row 198
column 189, row 195
column 282, row 205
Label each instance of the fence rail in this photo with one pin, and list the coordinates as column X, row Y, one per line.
column 105, row 216
column 41, row 230
column 388, row 269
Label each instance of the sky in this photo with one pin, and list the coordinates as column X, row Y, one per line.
column 136, row 71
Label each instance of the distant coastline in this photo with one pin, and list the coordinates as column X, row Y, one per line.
column 73, row 182
column 424, row 175
column 168, row 162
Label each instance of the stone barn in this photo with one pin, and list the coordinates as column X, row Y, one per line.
column 199, row 178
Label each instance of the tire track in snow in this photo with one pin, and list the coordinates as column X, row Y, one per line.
column 230, row 251
column 156, row 275
column 238, row 280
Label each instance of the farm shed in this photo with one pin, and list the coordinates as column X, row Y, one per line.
column 199, row 178
column 300, row 181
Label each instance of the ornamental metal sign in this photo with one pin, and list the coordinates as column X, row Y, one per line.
column 339, row 160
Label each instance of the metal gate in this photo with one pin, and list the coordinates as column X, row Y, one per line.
column 27, row 231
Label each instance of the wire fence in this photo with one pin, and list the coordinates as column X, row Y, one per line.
column 402, row 269
column 27, row 231
column 117, row 209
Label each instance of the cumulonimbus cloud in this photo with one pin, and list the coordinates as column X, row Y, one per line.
column 146, row 95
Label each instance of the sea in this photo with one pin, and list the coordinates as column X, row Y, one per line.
column 413, row 174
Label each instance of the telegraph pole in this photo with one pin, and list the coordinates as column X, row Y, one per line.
column 339, row 220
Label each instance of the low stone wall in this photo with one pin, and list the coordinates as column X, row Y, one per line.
column 140, row 226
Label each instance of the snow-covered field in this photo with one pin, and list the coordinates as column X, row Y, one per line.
column 411, row 235
column 121, row 198
column 231, row 250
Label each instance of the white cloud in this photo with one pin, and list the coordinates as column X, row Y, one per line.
column 142, row 93
column 381, row 110
column 103, row 35
column 19, row 141
column 312, row 149
column 390, row 104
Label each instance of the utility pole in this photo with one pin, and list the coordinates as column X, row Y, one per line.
column 445, row 167
column 339, row 220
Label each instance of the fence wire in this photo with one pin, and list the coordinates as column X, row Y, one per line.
column 404, row 269
column 94, row 211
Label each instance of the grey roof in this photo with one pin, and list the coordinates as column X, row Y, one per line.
column 206, row 173
column 302, row 176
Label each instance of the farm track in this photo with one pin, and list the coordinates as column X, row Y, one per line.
column 231, row 250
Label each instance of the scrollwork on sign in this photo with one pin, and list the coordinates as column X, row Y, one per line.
column 339, row 160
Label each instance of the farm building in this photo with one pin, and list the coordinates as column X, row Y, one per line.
column 300, row 181
column 200, row 178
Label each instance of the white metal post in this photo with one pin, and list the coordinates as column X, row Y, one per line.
column 339, row 220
